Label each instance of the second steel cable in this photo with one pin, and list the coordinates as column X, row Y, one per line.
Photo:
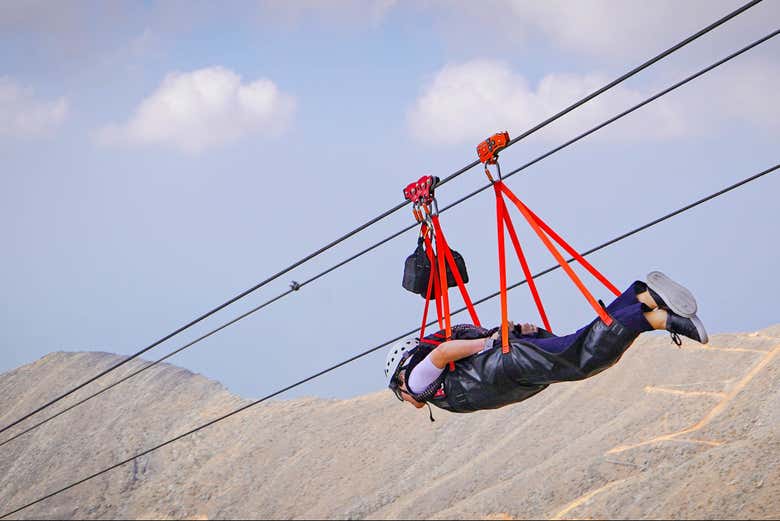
column 330, row 245
column 408, row 228
column 385, row 344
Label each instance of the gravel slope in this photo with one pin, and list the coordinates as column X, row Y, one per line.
column 666, row 433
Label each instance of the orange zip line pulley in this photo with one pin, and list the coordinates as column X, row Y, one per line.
column 488, row 154
column 488, row 150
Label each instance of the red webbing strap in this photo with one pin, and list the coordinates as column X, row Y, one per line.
column 437, row 297
column 431, row 278
column 502, row 270
column 445, row 248
column 443, row 283
column 574, row 253
column 526, row 270
column 555, row 253
column 436, row 290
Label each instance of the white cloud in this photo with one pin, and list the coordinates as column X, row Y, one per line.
column 603, row 29
column 746, row 91
column 466, row 102
column 205, row 108
column 23, row 115
column 351, row 12
column 608, row 27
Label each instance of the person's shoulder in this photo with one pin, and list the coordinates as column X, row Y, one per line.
column 469, row 332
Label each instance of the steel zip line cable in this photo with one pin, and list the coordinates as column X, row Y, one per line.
column 373, row 349
column 614, row 83
column 622, row 114
column 393, row 236
column 565, row 111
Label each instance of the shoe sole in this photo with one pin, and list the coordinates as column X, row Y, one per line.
column 700, row 329
column 677, row 297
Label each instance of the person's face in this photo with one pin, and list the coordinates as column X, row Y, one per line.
column 404, row 393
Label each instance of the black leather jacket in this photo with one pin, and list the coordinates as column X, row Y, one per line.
column 491, row 379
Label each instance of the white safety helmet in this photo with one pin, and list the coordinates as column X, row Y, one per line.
column 395, row 356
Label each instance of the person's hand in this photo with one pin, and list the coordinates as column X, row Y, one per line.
column 528, row 329
column 525, row 329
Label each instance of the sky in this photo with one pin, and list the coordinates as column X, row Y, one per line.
column 159, row 158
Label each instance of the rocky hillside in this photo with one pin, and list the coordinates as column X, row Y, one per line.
column 667, row 433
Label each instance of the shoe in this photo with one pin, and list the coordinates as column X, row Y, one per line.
column 690, row 327
column 670, row 295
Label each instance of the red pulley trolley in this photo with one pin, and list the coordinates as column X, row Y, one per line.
column 426, row 212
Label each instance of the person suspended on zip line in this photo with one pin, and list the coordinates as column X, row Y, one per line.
column 485, row 378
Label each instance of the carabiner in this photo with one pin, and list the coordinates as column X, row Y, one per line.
column 498, row 170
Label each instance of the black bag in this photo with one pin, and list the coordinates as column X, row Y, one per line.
column 417, row 271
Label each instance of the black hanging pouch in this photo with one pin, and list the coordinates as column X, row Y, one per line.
column 417, row 271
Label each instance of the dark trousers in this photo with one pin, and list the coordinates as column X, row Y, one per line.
column 492, row 379
column 626, row 309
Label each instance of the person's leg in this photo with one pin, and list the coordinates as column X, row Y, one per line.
column 584, row 353
column 636, row 292
column 633, row 318
column 639, row 310
column 636, row 309
column 657, row 318
column 674, row 308
column 629, row 309
column 636, row 317
column 555, row 344
column 597, row 346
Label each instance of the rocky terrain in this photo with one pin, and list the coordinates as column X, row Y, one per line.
column 667, row 433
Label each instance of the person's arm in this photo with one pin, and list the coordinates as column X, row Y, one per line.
column 454, row 350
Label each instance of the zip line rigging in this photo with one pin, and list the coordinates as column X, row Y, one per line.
column 385, row 214
column 297, row 286
column 373, row 349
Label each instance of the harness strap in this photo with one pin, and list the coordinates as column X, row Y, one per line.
column 524, row 263
column 532, row 220
column 426, row 213
column 455, row 271
column 431, row 278
column 445, row 299
column 500, row 210
column 442, row 254
column 436, row 290
column 574, row 253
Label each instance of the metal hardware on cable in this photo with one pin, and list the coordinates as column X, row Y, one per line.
column 584, row 100
column 421, row 194
column 295, row 286
column 440, row 267
column 488, row 151
column 731, row 15
column 632, row 109
column 374, row 349
column 488, row 154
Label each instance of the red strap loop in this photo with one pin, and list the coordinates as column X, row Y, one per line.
column 421, row 194
column 436, row 290
column 537, row 227
column 437, row 281
column 427, row 303
column 524, row 264
column 500, row 209
column 574, row 253
column 444, row 287
column 455, row 272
